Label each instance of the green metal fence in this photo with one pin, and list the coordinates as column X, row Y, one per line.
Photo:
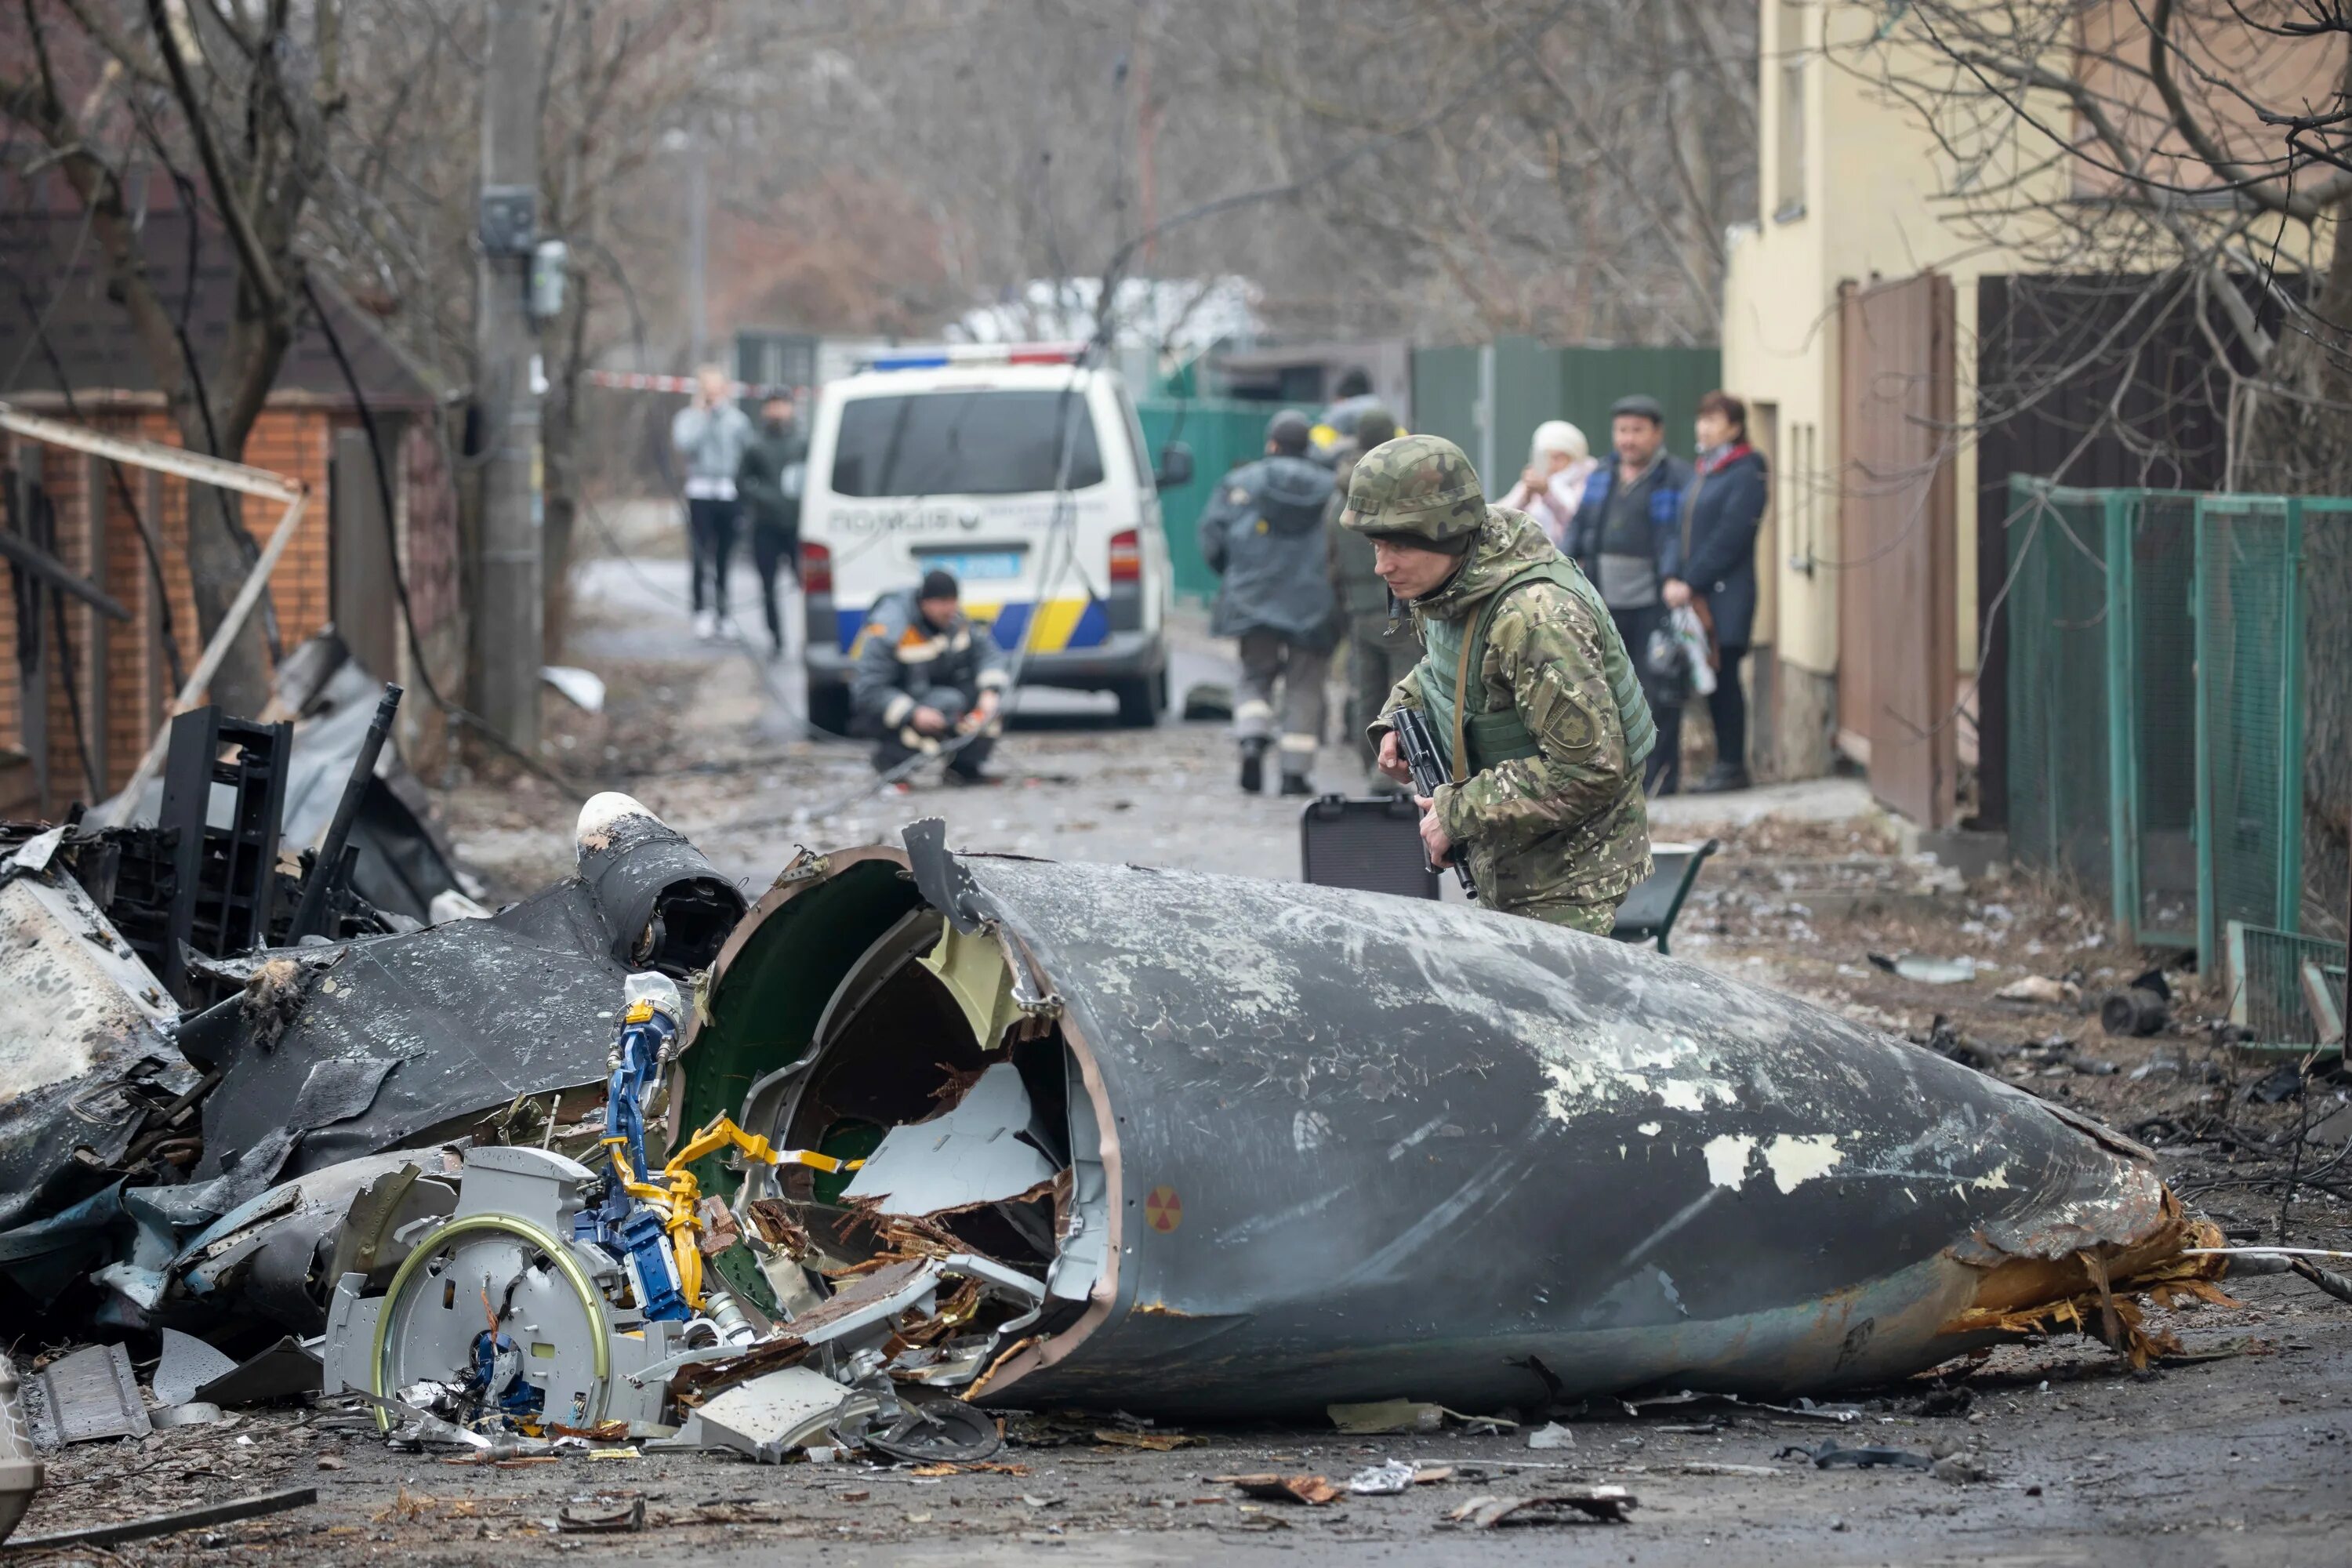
column 2155, row 703
column 1222, row 433
column 2274, row 975
column 1524, row 383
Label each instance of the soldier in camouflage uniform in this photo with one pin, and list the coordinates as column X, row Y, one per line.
column 1380, row 646
column 1526, row 686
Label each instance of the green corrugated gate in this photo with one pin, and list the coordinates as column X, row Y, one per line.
column 1531, row 383
column 1222, row 433
column 2155, row 702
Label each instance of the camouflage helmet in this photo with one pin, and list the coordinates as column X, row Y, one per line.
column 1415, row 487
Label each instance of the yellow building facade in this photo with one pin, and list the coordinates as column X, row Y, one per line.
column 1857, row 186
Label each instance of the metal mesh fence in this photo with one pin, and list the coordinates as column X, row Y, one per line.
column 2244, row 622
column 2268, row 986
column 2059, row 808
column 2161, row 531
column 2156, row 708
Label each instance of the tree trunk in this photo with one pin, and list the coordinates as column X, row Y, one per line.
column 218, row 558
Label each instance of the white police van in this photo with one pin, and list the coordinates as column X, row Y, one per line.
column 1020, row 471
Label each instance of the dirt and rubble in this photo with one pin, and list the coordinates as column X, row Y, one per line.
column 2234, row 1459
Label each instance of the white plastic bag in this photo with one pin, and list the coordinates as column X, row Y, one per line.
column 1692, row 636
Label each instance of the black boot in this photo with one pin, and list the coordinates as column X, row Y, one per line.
column 1296, row 783
column 1252, row 766
column 1723, row 778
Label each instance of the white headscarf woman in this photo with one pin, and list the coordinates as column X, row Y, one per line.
column 1558, row 465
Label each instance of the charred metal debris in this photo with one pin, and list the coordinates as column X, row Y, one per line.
column 920, row 1132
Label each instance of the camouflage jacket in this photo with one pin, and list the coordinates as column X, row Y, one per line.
column 1568, row 824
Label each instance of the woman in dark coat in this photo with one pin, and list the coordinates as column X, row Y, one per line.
column 1721, row 512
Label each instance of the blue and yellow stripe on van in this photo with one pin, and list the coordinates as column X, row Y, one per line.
column 1063, row 624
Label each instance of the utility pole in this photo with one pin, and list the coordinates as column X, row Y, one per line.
column 697, row 241
column 506, row 623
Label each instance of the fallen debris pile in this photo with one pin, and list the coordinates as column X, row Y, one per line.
column 920, row 1132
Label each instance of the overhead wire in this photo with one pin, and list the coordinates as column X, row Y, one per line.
column 421, row 668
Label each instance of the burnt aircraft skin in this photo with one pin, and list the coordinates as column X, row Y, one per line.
column 1361, row 1147
column 85, row 1039
column 465, row 1016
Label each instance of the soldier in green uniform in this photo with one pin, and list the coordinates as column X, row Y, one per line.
column 1526, row 686
column 1380, row 648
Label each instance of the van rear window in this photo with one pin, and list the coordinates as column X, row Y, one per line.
column 964, row 443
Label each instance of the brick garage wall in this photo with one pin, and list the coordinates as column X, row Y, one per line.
column 129, row 702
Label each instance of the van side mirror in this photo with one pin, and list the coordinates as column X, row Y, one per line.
column 1175, row 467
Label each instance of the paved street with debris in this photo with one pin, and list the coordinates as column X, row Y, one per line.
column 2229, row 1450
column 1826, row 1044
column 2226, row 1447
column 2232, row 1460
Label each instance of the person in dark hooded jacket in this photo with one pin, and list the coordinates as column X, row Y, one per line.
column 1263, row 536
column 1721, row 511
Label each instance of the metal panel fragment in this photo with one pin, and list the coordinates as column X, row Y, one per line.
column 82, row 1033
column 187, row 1364
column 87, row 1395
column 770, row 1416
column 975, row 1154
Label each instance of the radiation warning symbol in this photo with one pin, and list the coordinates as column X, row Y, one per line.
column 1163, row 1211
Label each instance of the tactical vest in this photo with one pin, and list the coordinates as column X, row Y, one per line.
column 1454, row 694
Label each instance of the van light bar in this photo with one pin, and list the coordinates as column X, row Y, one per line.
column 939, row 356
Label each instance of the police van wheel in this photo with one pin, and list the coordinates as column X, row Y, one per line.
column 829, row 708
column 1140, row 702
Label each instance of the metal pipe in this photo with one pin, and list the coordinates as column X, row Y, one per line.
column 339, row 830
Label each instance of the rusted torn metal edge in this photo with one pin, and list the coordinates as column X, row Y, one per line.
column 166, row 1523
column 2087, row 1286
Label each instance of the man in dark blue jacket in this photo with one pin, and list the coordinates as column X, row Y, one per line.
column 1263, row 536
column 925, row 681
column 1627, row 536
column 1721, row 514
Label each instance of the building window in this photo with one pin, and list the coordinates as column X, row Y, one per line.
column 1789, row 44
column 1803, row 502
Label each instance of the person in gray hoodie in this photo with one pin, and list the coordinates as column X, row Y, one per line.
column 1263, row 536
column 709, row 436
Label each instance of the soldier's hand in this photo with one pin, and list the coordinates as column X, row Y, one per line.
column 1678, row 593
column 1434, row 837
column 1392, row 761
column 928, row 720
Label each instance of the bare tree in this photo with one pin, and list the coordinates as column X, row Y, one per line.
column 238, row 103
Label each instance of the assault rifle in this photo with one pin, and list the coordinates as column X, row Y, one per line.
column 1422, row 760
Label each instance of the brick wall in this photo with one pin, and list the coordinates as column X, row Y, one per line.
column 122, row 709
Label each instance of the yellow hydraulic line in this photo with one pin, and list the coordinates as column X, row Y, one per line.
column 682, row 1220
